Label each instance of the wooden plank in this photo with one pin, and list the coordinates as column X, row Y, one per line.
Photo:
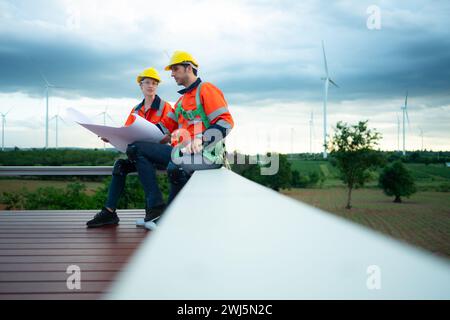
column 117, row 239
column 52, row 287
column 50, row 296
column 73, row 225
column 64, row 216
column 64, row 252
column 63, row 229
column 54, row 212
column 62, row 219
column 37, row 247
column 29, row 246
column 65, row 259
column 98, row 235
column 60, row 267
column 49, row 276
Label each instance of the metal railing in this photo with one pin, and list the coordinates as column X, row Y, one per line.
column 55, row 170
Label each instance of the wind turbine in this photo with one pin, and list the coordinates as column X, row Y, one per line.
column 292, row 142
column 327, row 80
column 57, row 117
column 3, row 127
column 398, row 133
column 311, row 127
column 48, row 85
column 105, row 114
column 421, row 135
column 405, row 117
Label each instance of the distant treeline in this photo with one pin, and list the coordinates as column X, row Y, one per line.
column 98, row 157
column 425, row 157
column 58, row 157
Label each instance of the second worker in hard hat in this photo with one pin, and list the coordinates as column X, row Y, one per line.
column 153, row 109
column 199, row 124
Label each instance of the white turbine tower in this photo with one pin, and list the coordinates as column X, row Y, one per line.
column 405, row 118
column 311, row 131
column 105, row 114
column 3, row 127
column 48, row 85
column 398, row 133
column 421, row 135
column 57, row 117
column 327, row 80
column 292, row 141
column 47, row 90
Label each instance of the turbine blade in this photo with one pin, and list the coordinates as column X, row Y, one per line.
column 61, row 118
column 407, row 117
column 9, row 111
column 167, row 54
column 333, row 83
column 406, row 99
column 110, row 118
column 325, row 59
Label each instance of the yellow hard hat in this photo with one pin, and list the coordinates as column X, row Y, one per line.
column 181, row 57
column 148, row 73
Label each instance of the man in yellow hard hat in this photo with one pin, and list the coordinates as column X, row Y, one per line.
column 153, row 109
column 198, row 125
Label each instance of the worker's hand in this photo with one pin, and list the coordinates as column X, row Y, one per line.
column 195, row 146
column 105, row 140
column 165, row 139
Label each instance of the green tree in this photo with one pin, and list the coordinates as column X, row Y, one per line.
column 352, row 148
column 283, row 177
column 396, row 180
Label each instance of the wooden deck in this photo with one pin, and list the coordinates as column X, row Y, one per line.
column 36, row 248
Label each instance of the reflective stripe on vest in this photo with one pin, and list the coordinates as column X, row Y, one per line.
column 158, row 113
column 215, row 153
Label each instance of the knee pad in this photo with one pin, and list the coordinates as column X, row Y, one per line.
column 177, row 175
column 132, row 152
column 123, row 167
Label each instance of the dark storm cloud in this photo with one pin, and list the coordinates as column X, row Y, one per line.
column 366, row 64
column 86, row 70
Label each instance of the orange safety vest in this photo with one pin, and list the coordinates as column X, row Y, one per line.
column 215, row 111
column 155, row 114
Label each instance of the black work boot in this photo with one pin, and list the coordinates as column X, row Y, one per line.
column 153, row 214
column 103, row 218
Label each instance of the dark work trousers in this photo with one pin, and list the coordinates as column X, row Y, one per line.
column 148, row 156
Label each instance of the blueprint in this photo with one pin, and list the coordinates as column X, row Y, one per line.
column 119, row 137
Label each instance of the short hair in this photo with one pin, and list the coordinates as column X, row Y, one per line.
column 194, row 69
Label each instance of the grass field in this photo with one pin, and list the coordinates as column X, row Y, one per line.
column 14, row 185
column 427, row 177
column 423, row 220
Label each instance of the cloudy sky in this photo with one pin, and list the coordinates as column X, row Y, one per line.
column 266, row 56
